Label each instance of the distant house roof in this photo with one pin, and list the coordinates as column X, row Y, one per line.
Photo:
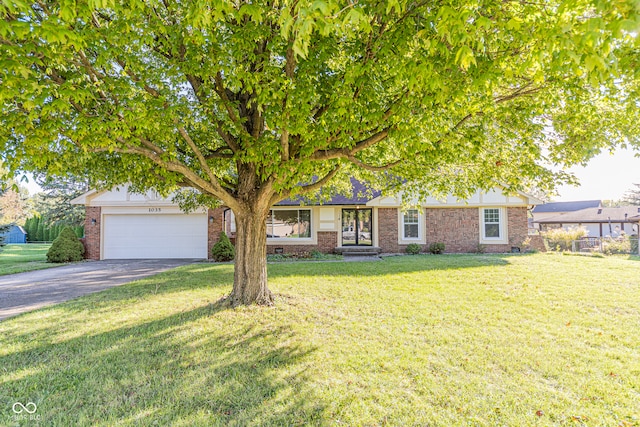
column 360, row 195
column 566, row 206
column 590, row 215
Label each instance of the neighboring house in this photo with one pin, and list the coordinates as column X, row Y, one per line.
column 599, row 221
column 15, row 234
column 120, row 224
column 548, row 210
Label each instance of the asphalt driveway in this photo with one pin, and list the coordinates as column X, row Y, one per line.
column 24, row 292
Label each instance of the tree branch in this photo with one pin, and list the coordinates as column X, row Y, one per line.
column 343, row 153
column 308, row 188
column 373, row 168
column 197, row 152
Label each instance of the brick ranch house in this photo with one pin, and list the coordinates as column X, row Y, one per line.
column 123, row 225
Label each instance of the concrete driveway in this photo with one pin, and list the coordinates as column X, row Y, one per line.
column 24, row 292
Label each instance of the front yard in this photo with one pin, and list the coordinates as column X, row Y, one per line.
column 21, row 258
column 452, row 340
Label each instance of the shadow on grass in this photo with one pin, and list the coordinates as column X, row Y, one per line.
column 190, row 277
column 214, row 276
column 184, row 369
column 392, row 265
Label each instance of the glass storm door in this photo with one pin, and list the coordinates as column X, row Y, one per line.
column 357, row 227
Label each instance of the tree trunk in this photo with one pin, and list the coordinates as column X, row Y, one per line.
column 250, row 278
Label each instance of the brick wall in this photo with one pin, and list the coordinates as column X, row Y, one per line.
column 327, row 242
column 214, row 228
column 518, row 227
column 91, row 239
column 388, row 230
column 457, row 228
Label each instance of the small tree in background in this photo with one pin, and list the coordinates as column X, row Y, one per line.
column 66, row 248
column 223, row 250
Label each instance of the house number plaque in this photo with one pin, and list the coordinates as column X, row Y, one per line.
column 154, row 209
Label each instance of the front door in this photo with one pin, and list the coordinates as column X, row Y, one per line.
column 357, row 227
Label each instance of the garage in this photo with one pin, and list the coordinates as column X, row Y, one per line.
column 137, row 236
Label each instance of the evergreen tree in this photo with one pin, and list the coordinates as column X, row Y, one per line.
column 58, row 229
column 32, row 233
column 66, row 248
column 27, row 225
column 40, row 231
column 3, row 229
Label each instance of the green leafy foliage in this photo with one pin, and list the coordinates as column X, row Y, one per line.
column 413, row 249
column 66, row 248
column 436, row 248
column 559, row 239
column 250, row 103
column 619, row 245
column 223, row 250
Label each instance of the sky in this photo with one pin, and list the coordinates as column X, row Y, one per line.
column 606, row 177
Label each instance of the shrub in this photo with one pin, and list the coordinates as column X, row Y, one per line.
column 620, row 245
column 223, row 250
column 559, row 239
column 480, row 249
column 413, row 249
column 66, row 247
column 436, row 248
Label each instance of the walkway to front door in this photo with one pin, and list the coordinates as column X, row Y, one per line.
column 357, row 227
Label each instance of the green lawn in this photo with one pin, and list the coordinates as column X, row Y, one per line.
column 21, row 258
column 473, row 340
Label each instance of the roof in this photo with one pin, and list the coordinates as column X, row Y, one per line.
column 621, row 214
column 566, row 206
column 360, row 195
column 14, row 229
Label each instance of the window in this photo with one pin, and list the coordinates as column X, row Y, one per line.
column 411, row 224
column 289, row 223
column 492, row 227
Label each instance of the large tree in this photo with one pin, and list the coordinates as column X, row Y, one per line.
column 249, row 103
column 54, row 202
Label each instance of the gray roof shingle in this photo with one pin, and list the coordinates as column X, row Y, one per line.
column 566, row 206
column 595, row 215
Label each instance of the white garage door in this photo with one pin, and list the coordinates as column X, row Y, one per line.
column 155, row 236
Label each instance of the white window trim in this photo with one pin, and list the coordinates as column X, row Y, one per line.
column 275, row 241
column 421, row 235
column 503, row 239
